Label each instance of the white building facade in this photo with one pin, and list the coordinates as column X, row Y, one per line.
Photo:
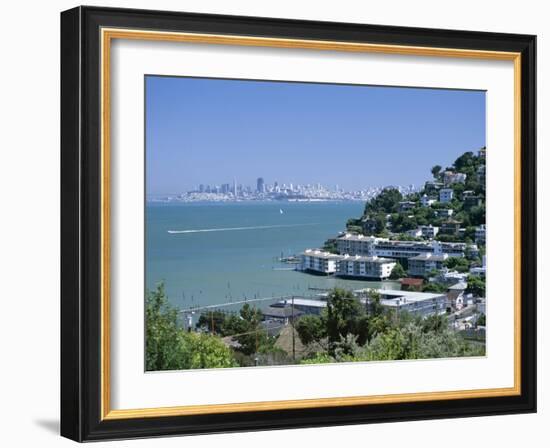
column 319, row 261
column 366, row 267
column 372, row 267
column 352, row 244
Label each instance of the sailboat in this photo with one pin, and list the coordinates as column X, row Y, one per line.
column 281, row 211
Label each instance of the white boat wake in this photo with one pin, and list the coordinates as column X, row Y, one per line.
column 227, row 229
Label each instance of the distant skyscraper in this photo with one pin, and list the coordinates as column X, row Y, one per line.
column 234, row 187
column 260, row 185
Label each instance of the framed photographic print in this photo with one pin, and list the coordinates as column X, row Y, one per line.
column 272, row 223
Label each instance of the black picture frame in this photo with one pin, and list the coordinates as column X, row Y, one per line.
column 81, row 224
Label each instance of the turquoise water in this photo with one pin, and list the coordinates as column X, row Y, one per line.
column 240, row 258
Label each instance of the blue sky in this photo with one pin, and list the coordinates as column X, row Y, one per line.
column 210, row 131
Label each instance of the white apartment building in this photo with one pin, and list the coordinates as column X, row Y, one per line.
column 353, row 244
column 446, row 195
column 366, row 267
column 318, row 261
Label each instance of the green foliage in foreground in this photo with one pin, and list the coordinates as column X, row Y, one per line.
column 356, row 334
column 245, row 328
column 411, row 341
column 169, row 347
column 344, row 318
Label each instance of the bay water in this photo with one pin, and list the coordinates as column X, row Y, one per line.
column 214, row 253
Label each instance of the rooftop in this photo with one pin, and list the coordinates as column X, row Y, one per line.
column 408, row 281
column 459, row 285
column 321, row 254
column 313, row 303
column 431, row 257
column 408, row 296
column 373, row 259
column 281, row 312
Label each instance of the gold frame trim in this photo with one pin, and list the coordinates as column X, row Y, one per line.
column 107, row 35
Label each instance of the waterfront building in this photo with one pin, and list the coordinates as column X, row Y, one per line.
column 372, row 267
column 446, row 195
column 319, row 262
column 353, row 244
column 421, row 304
column 260, row 185
column 417, row 303
column 422, row 265
column 365, row 267
column 301, row 305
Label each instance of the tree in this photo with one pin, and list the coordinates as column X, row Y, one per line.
column 477, row 215
column 163, row 349
column 465, row 161
column 457, row 263
column 311, row 329
column 398, row 272
column 481, row 320
column 434, row 287
column 435, row 323
column 246, row 330
column 387, row 201
column 203, row 351
column 345, row 315
column 476, row 286
column 330, row 246
column 213, row 321
column 380, row 223
column 436, row 170
column 169, row 347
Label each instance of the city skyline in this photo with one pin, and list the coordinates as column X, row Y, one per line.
column 262, row 190
column 210, row 132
